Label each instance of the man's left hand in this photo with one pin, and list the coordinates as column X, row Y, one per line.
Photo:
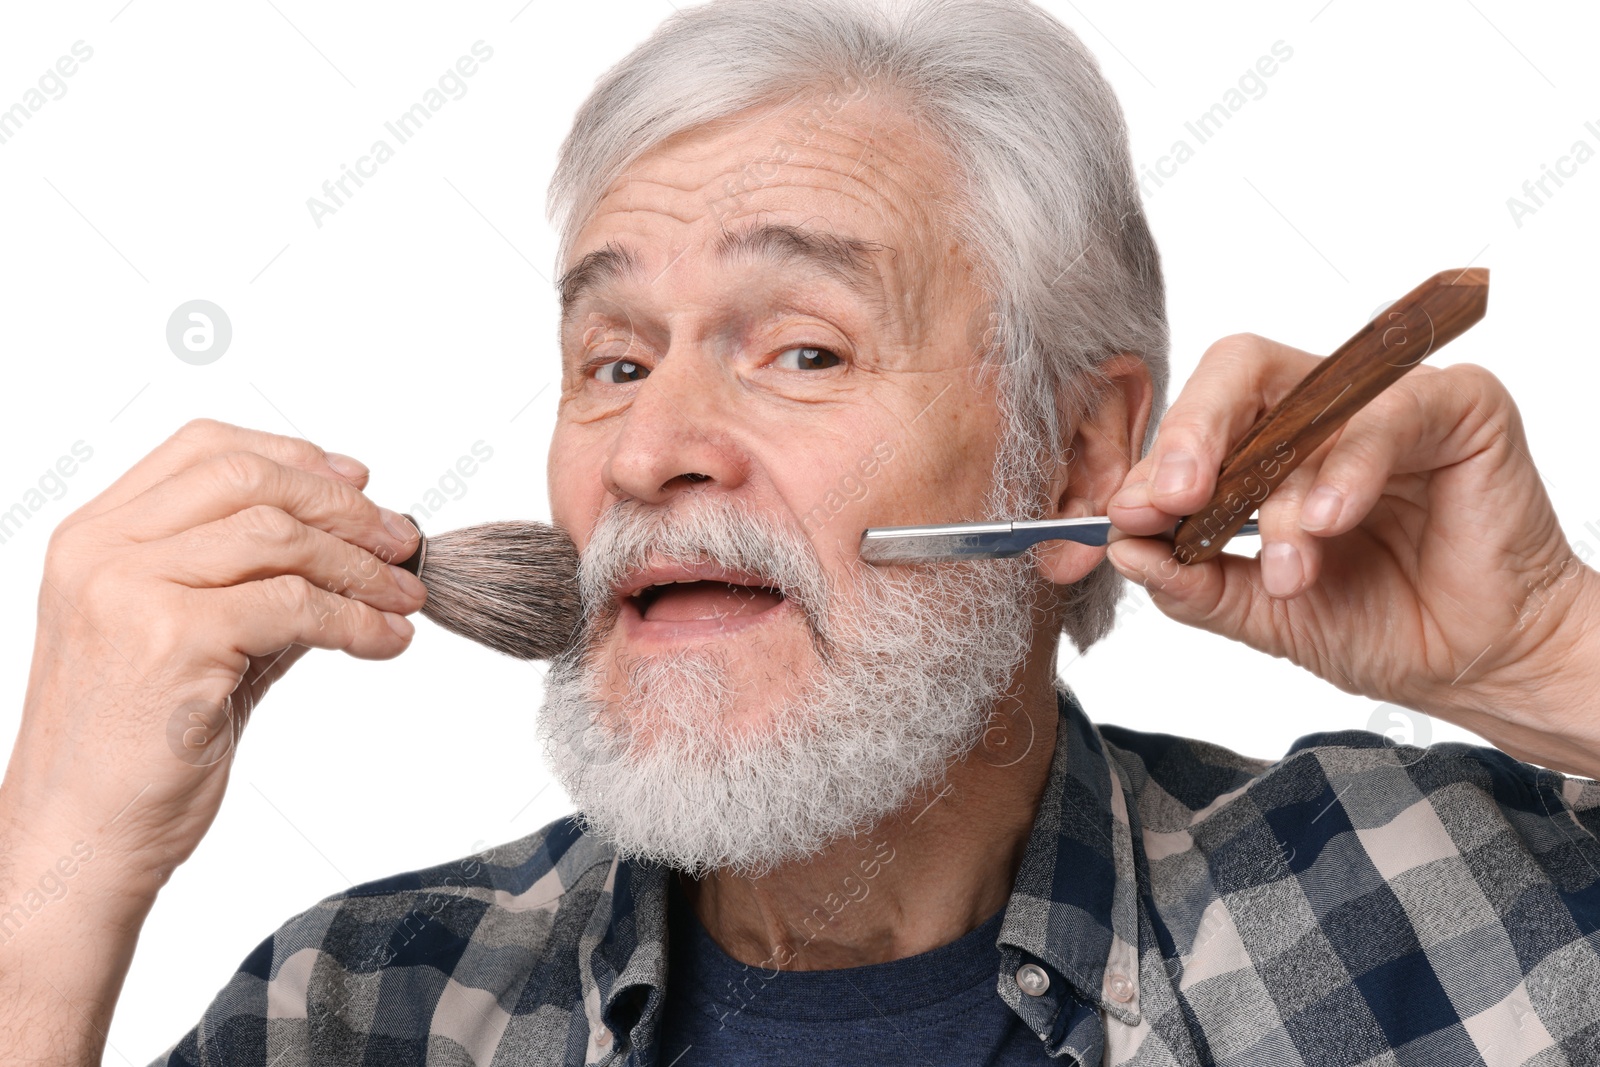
column 1414, row 557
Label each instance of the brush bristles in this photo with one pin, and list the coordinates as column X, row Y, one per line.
column 510, row 585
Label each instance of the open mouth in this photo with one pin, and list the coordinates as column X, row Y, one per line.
column 702, row 600
column 668, row 601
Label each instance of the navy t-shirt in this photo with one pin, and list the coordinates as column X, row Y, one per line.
column 938, row 1007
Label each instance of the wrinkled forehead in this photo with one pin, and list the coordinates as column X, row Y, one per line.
column 856, row 191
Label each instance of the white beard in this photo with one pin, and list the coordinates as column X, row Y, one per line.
column 909, row 664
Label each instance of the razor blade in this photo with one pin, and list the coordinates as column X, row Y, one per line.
column 985, row 540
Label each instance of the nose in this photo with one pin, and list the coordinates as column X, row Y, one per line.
column 678, row 432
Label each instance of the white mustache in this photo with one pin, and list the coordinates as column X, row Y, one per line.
column 718, row 530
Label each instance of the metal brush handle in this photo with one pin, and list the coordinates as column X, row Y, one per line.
column 1403, row 335
column 414, row 562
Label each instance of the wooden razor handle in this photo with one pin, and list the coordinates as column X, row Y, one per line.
column 1401, row 336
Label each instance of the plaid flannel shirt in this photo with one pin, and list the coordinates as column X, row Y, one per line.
column 1355, row 902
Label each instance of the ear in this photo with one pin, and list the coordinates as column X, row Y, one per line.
column 1104, row 446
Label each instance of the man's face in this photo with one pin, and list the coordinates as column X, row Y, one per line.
column 768, row 347
column 777, row 316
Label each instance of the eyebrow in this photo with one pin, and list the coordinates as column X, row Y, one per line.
column 598, row 268
column 848, row 260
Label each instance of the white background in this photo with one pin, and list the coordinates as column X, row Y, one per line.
column 419, row 320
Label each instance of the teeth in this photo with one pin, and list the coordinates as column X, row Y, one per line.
column 658, row 585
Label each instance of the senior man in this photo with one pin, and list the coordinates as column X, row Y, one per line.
column 836, row 814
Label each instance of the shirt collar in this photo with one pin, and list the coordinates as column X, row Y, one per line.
column 1073, row 910
column 1074, row 907
column 623, row 959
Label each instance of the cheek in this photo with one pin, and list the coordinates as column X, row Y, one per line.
column 885, row 472
column 573, row 473
column 941, row 467
column 808, row 462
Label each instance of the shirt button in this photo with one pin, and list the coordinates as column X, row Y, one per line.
column 1120, row 986
column 1032, row 980
column 603, row 1038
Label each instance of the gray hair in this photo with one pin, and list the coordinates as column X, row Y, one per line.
column 1049, row 205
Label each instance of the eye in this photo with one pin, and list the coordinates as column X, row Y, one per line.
column 619, row 371
column 808, row 357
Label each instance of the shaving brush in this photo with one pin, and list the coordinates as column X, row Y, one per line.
column 510, row 585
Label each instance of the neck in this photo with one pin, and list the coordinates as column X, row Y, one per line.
column 933, row 871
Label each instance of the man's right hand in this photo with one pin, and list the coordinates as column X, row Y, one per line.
column 170, row 603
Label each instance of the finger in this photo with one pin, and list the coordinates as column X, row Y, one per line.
column 1238, row 379
column 1431, row 419
column 1140, row 519
column 1132, row 514
column 202, row 438
column 263, row 541
column 1216, row 595
column 288, row 610
column 1290, row 558
column 223, row 485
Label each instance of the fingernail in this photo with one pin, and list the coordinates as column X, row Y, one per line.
column 409, row 583
column 1136, row 495
column 353, row 469
column 398, row 526
column 1280, row 568
column 399, row 624
column 1175, row 472
column 1321, row 508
